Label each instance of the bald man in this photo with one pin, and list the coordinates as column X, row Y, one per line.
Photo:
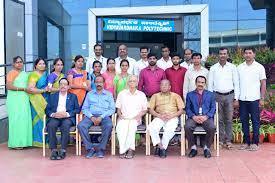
column 166, row 107
column 123, row 54
column 131, row 106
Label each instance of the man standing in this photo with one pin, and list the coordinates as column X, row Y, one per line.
column 224, row 82
column 131, row 106
column 166, row 107
column 97, row 67
column 175, row 75
column 123, row 54
column 187, row 62
column 252, row 93
column 150, row 77
column 61, row 110
column 192, row 73
column 98, row 50
column 200, row 109
column 142, row 63
column 97, row 108
column 165, row 61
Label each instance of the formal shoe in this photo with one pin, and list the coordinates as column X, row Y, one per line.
column 162, row 153
column 62, row 154
column 207, row 153
column 157, row 149
column 100, row 154
column 91, row 153
column 130, row 154
column 193, row 153
column 54, row 155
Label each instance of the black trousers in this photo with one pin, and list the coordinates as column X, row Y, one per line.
column 64, row 126
column 208, row 126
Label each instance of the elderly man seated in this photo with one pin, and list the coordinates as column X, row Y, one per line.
column 131, row 106
column 200, row 109
column 166, row 107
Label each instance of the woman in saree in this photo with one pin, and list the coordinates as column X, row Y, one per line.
column 109, row 75
column 120, row 80
column 78, row 79
column 18, row 107
column 37, row 85
column 56, row 75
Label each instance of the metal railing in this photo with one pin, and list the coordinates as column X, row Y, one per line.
column 28, row 67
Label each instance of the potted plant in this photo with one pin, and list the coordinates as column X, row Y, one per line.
column 262, row 134
column 237, row 132
column 271, row 133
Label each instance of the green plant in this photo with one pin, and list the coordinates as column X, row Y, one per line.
column 269, row 103
column 271, row 129
column 237, row 56
column 265, row 55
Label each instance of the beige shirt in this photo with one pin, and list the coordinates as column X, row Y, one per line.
column 131, row 104
column 166, row 103
column 250, row 80
column 185, row 65
column 190, row 77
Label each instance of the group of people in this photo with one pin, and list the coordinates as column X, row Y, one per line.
column 165, row 88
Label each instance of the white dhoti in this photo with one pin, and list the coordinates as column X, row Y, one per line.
column 126, row 132
column 169, row 128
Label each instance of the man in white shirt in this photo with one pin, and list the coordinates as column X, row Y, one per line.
column 165, row 61
column 252, row 93
column 61, row 110
column 123, row 54
column 187, row 62
column 192, row 73
column 131, row 106
column 142, row 63
column 223, row 80
column 98, row 50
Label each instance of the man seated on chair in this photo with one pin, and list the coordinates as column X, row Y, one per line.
column 131, row 106
column 166, row 107
column 200, row 109
column 61, row 110
column 98, row 107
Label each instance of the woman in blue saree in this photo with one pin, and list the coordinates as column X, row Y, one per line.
column 37, row 84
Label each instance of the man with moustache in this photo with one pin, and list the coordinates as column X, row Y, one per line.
column 165, row 61
column 97, row 108
column 200, row 109
column 224, row 82
column 187, row 62
column 98, row 50
column 192, row 73
column 175, row 75
column 150, row 77
column 143, row 62
column 123, row 54
column 61, row 110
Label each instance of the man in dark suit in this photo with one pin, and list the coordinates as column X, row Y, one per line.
column 61, row 110
column 200, row 109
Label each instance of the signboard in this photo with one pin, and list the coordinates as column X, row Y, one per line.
column 138, row 25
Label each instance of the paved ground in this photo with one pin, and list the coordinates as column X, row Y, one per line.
column 232, row 166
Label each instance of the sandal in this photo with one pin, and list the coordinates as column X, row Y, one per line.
column 130, row 154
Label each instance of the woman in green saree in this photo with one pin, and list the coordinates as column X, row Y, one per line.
column 37, row 85
column 56, row 75
column 18, row 107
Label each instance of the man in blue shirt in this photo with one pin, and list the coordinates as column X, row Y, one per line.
column 98, row 107
column 200, row 109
